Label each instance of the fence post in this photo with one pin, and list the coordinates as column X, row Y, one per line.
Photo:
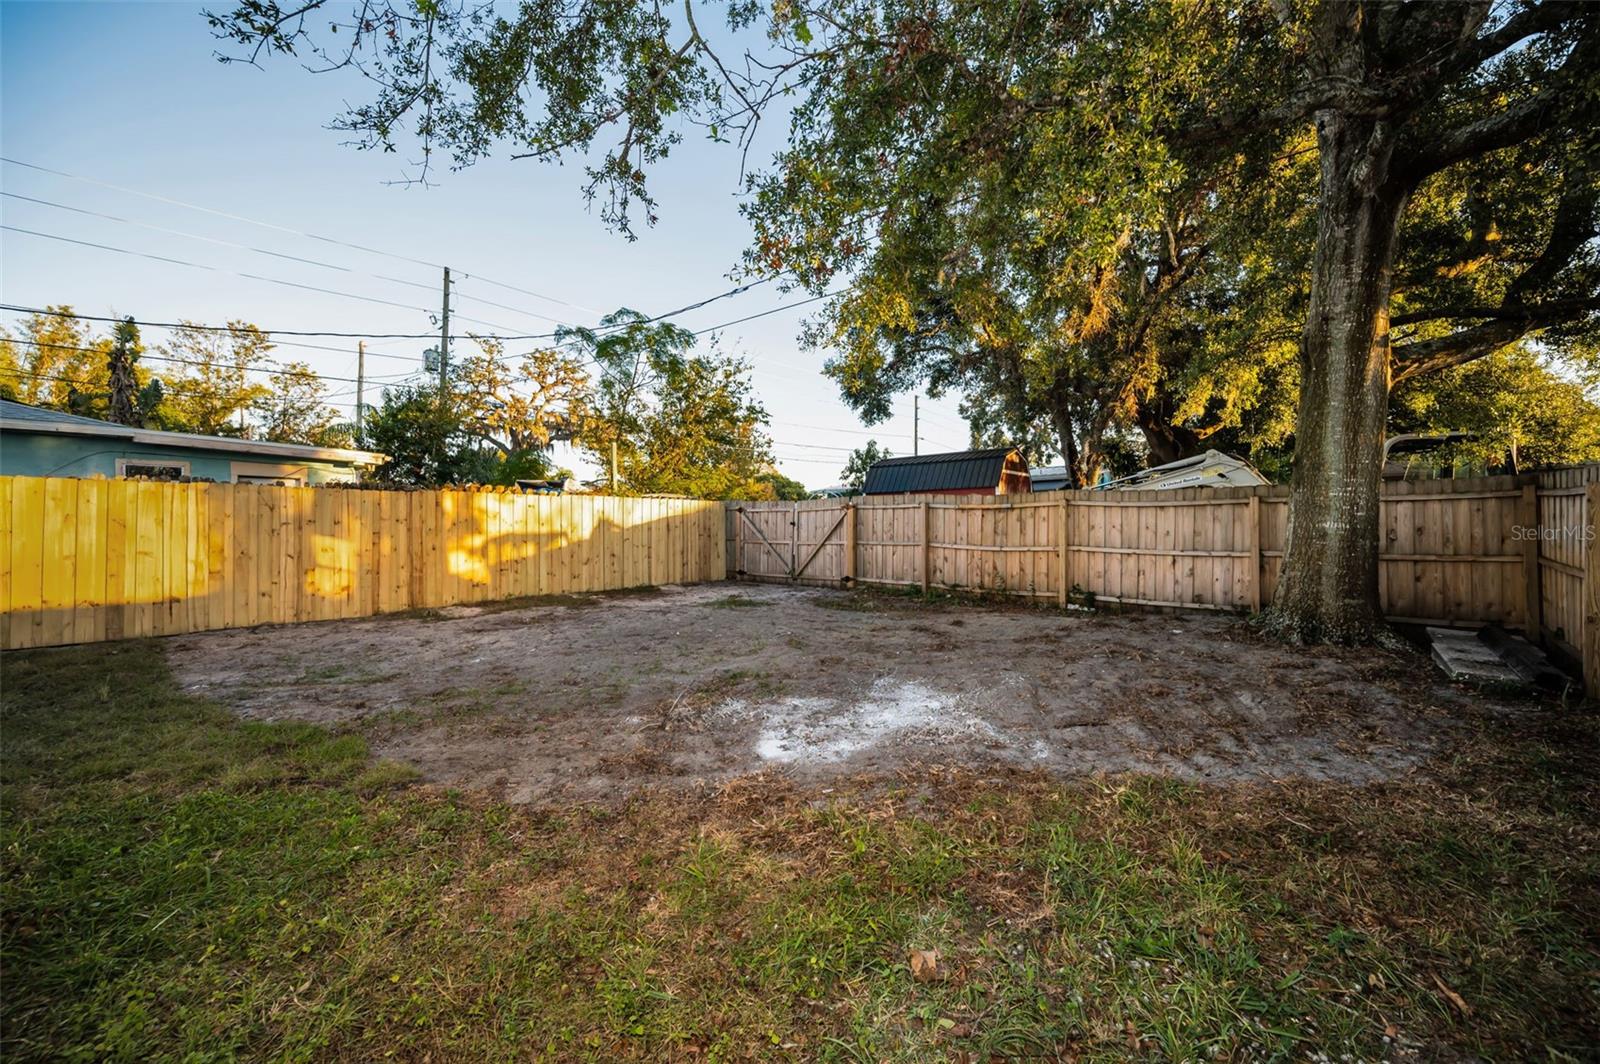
column 1254, row 519
column 1590, row 652
column 925, row 538
column 738, row 541
column 794, row 539
column 1531, row 605
column 849, row 544
column 1061, row 535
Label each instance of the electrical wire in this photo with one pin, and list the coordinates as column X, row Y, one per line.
column 764, row 313
column 182, row 361
column 283, row 229
column 852, row 432
column 265, row 251
column 600, row 330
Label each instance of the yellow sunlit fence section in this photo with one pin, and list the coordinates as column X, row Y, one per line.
column 87, row 560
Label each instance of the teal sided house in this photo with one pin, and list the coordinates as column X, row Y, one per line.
column 35, row 442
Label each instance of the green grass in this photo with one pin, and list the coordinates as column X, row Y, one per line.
column 181, row 885
column 733, row 602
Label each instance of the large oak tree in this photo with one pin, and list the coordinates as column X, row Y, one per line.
column 1038, row 203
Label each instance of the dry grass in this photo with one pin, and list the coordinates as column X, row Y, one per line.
column 179, row 884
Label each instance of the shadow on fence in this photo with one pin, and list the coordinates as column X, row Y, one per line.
column 88, row 560
column 1513, row 551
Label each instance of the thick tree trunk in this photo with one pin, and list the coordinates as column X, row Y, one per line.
column 1068, row 443
column 1328, row 591
column 1168, row 442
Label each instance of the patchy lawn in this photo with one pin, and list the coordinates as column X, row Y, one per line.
column 181, row 883
column 591, row 698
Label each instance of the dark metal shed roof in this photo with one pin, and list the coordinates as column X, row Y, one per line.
column 937, row 472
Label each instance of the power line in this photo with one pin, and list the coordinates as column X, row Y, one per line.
column 764, row 313
column 815, row 446
column 259, row 251
column 281, row 228
column 456, row 291
column 212, row 269
column 181, row 386
column 418, row 336
column 195, row 236
column 274, row 332
column 221, row 364
column 273, row 339
column 852, row 432
column 321, row 290
column 605, row 330
column 536, row 295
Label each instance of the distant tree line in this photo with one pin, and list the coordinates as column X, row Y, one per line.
column 200, row 380
column 629, row 394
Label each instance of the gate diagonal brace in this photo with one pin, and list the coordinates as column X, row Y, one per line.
column 788, row 563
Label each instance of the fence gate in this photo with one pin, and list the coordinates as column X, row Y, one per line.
column 803, row 542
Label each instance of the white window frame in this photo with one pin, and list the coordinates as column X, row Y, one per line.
column 124, row 463
column 290, row 474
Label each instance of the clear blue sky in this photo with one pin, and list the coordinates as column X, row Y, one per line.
column 131, row 94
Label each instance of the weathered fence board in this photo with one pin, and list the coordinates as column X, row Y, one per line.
column 1569, row 564
column 1507, row 550
column 86, row 560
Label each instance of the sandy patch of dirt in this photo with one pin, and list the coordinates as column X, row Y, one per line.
column 593, row 698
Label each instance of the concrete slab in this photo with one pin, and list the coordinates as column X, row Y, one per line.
column 1466, row 659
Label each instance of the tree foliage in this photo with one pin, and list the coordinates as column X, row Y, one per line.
column 1088, row 221
column 121, row 381
column 854, row 473
column 52, row 360
column 679, row 423
column 1520, row 411
column 423, row 431
column 210, row 387
column 774, row 485
column 292, row 408
column 541, row 400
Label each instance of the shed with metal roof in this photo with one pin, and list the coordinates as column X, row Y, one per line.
column 992, row 471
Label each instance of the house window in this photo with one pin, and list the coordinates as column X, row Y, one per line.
column 255, row 478
column 283, row 474
column 141, row 467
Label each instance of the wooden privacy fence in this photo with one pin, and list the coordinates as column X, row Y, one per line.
column 86, row 560
column 1506, row 550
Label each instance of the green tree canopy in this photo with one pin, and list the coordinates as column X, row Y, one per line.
column 423, row 432
column 680, row 423
column 854, row 473
column 1049, row 207
column 1519, row 409
column 516, row 408
column 293, row 409
column 774, row 485
column 53, row 360
column 209, row 387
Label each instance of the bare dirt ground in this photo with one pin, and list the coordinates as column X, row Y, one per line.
column 594, row 697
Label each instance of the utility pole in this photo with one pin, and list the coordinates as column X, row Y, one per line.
column 361, row 383
column 444, row 336
column 613, row 467
column 916, row 417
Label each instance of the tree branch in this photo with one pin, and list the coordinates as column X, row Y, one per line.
column 1429, row 356
column 1553, row 310
column 1518, row 122
column 1520, row 311
column 1530, row 22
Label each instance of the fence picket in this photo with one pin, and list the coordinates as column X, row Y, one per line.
column 1466, row 552
column 86, row 560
